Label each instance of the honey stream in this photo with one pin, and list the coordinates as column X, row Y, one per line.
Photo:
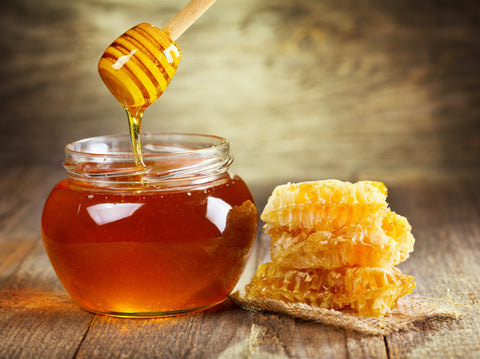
column 135, row 124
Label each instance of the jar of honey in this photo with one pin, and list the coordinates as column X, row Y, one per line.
column 165, row 238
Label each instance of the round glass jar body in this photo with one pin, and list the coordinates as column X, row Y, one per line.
column 169, row 237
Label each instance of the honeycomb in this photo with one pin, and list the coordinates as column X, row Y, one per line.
column 326, row 205
column 334, row 245
column 365, row 290
column 354, row 245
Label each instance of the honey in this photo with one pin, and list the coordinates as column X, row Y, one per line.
column 135, row 125
column 137, row 68
column 172, row 239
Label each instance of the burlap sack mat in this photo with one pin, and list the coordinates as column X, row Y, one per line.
column 409, row 310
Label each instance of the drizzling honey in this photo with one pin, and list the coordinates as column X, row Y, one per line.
column 135, row 124
column 137, row 68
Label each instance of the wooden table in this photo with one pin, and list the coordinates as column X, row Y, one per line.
column 305, row 90
column 38, row 318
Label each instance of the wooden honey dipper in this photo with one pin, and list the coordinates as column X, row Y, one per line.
column 138, row 66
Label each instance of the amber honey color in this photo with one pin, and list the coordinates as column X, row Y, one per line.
column 149, row 251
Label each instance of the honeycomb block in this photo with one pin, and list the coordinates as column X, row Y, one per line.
column 334, row 245
column 354, row 245
column 326, row 205
column 365, row 290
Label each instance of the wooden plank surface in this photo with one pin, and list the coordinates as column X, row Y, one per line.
column 304, row 90
column 446, row 222
column 37, row 317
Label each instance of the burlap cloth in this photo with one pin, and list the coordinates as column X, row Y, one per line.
column 409, row 310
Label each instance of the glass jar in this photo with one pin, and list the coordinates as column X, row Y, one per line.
column 166, row 238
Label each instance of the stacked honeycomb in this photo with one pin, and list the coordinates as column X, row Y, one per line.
column 334, row 245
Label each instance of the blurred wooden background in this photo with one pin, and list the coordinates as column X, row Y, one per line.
column 305, row 89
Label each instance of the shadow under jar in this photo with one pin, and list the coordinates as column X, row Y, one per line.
column 164, row 239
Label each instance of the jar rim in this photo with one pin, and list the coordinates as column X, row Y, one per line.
column 169, row 158
column 71, row 147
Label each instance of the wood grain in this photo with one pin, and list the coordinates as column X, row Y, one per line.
column 38, row 318
column 445, row 263
column 305, row 90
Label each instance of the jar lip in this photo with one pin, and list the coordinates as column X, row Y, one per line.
column 218, row 143
column 168, row 158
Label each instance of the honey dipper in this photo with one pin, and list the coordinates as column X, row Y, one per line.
column 138, row 66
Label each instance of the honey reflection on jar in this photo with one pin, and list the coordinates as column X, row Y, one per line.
column 157, row 249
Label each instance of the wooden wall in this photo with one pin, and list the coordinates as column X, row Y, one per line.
column 305, row 89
